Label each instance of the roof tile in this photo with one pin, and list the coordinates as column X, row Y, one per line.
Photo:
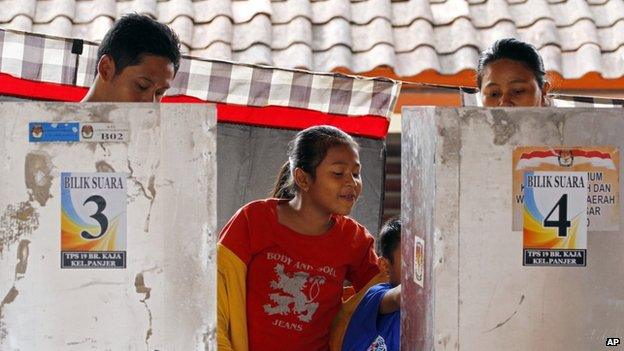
column 298, row 30
column 570, row 12
column 286, row 11
column 528, row 13
column 606, row 15
column 489, row 13
column 366, row 11
column 48, row 10
column 419, row 33
column 575, row 37
column 404, row 13
column 208, row 10
column 325, row 11
column 612, row 38
column 447, row 12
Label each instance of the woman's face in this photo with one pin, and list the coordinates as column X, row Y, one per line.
column 508, row 83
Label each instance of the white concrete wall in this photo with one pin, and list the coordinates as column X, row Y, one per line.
column 456, row 187
column 166, row 297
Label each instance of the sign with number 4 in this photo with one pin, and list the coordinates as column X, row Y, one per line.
column 93, row 220
column 555, row 218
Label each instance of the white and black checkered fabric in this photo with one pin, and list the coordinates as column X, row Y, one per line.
column 73, row 62
column 472, row 98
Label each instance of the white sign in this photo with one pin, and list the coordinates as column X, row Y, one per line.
column 555, row 218
column 93, row 220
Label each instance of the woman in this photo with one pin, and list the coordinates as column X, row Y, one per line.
column 511, row 73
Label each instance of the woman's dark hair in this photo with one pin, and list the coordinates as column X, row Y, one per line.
column 306, row 151
column 390, row 238
column 516, row 50
column 134, row 36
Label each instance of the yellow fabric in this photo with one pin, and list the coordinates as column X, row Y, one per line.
column 231, row 301
column 341, row 322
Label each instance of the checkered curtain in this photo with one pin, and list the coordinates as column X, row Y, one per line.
column 472, row 98
column 73, row 62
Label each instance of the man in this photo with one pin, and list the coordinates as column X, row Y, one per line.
column 137, row 61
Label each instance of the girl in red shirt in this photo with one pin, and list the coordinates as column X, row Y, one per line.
column 282, row 262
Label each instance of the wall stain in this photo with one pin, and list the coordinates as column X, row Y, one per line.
column 503, row 126
column 103, row 167
column 22, row 259
column 451, row 143
column 139, row 285
column 38, row 169
column 8, row 298
column 508, row 318
column 100, row 113
column 151, row 188
column 16, row 221
column 210, row 338
column 83, row 341
column 152, row 191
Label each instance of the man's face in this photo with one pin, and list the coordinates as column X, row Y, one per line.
column 146, row 82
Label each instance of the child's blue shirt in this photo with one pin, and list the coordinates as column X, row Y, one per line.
column 370, row 331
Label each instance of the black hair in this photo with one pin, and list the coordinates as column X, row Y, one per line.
column 134, row 36
column 390, row 238
column 513, row 49
column 306, row 151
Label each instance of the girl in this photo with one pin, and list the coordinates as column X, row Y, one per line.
column 282, row 262
column 511, row 73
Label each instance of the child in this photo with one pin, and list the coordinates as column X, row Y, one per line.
column 376, row 323
column 282, row 262
column 136, row 62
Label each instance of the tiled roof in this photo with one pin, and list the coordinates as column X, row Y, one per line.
column 575, row 37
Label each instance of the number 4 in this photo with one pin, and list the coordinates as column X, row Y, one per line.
column 562, row 224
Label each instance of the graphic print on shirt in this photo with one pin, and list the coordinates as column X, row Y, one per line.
column 296, row 294
column 378, row 345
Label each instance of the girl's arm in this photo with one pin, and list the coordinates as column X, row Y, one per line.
column 231, row 301
column 391, row 302
column 233, row 252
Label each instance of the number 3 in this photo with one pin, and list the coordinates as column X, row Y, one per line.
column 98, row 216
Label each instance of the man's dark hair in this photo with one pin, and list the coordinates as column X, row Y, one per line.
column 390, row 238
column 134, row 36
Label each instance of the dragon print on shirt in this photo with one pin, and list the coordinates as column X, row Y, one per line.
column 291, row 297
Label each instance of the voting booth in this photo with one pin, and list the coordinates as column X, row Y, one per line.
column 107, row 226
column 512, row 236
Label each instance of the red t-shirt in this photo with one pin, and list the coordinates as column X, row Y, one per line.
column 295, row 281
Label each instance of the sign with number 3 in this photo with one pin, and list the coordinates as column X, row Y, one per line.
column 93, row 220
